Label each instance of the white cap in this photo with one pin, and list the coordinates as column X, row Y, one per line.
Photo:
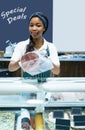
column 25, row 113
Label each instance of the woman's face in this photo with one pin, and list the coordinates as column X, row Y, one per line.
column 36, row 27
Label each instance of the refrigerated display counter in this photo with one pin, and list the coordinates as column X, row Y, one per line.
column 61, row 93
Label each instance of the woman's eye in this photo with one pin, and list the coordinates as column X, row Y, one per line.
column 38, row 25
column 31, row 25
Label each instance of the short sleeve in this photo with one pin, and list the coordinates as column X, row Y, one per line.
column 54, row 54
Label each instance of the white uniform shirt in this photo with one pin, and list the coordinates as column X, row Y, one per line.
column 20, row 50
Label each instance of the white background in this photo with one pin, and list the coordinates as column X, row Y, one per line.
column 69, row 25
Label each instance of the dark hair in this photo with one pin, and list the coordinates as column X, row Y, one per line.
column 44, row 19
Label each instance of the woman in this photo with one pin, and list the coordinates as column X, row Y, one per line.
column 38, row 25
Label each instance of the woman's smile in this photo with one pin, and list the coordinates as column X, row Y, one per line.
column 34, row 33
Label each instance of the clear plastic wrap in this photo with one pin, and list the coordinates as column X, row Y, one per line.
column 35, row 63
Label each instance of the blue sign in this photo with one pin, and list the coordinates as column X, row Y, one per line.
column 14, row 15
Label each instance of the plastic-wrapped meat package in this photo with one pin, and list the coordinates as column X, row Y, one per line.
column 29, row 62
column 34, row 63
